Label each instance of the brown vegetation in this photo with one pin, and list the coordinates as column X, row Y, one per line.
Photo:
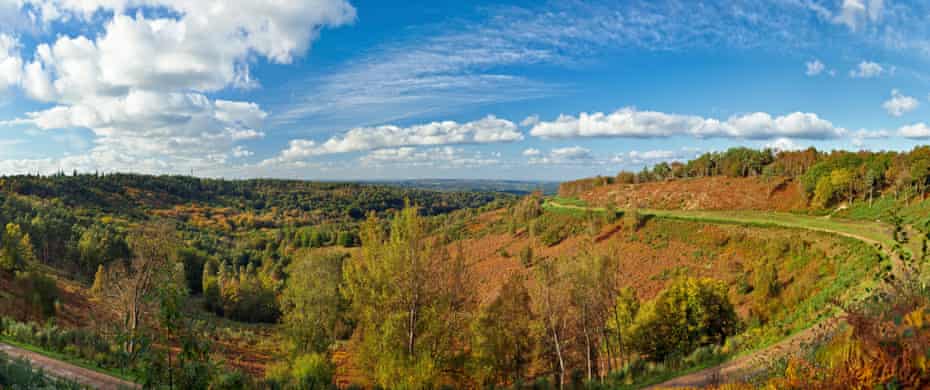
column 707, row 193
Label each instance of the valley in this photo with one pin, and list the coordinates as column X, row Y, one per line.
column 615, row 285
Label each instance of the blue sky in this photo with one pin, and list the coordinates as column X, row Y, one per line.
column 342, row 89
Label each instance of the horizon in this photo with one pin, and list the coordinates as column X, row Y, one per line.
column 349, row 90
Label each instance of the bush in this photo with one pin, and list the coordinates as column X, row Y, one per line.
column 688, row 314
column 19, row 374
column 312, row 371
column 41, row 292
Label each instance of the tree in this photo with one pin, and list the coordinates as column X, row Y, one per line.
column 100, row 281
column 688, row 314
column 313, row 302
column 843, row 181
column 503, row 344
column 133, row 287
column 408, row 297
column 592, row 289
column 101, row 244
column 552, row 308
column 15, row 249
column 824, row 193
column 194, row 262
column 624, row 312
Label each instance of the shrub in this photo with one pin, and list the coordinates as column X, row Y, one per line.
column 312, row 371
column 42, row 292
column 688, row 314
column 19, row 374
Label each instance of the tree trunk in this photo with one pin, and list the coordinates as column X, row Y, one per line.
column 619, row 338
column 558, row 353
column 609, row 367
column 587, row 350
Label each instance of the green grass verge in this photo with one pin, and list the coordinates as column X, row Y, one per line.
column 672, row 374
column 856, row 228
column 67, row 359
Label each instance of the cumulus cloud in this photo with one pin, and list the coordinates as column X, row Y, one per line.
column 531, row 152
column 783, row 144
column 11, row 65
column 859, row 137
column 867, row 70
column 531, row 120
column 565, row 155
column 855, row 13
column 632, row 123
column 814, row 67
column 443, row 157
column 154, row 124
column 648, row 157
column 900, row 104
column 487, row 130
column 140, row 82
column 918, row 130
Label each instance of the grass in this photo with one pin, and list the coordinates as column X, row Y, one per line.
column 569, row 201
column 874, row 232
column 67, row 359
column 663, row 376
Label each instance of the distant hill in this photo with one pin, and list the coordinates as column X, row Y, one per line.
column 517, row 187
column 308, row 202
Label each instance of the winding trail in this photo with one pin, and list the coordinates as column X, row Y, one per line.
column 61, row 370
column 745, row 367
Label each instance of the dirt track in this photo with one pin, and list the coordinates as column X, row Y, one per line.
column 62, row 370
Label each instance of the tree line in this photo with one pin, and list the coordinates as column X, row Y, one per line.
column 826, row 177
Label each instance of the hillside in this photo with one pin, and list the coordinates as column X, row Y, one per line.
column 708, row 193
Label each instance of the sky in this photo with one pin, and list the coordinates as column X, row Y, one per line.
column 375, row 89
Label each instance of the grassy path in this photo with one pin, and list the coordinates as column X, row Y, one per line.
column 876, row 234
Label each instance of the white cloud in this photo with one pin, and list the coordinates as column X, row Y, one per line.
column 240, row 151
column 636, row 157
column 567, row 155
column 784, row 144
column 900, row 104
column 483, row 131
column 631, row 123
column 814, row 68
column 652, row 155
column 531, row 120
column 855, row 13
column 139, row 83
column 11, row 65
column 444, row 157
column 867, row 70
column 572, row 153
column 531, row 152
column 177, row 128
column 859, row 137
column 918, row 130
